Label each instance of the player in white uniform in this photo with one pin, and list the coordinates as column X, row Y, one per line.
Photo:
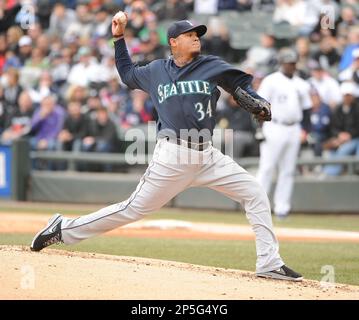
column 289, row 96
column 180, row 103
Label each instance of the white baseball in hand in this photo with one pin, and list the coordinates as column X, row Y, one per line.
column 120, row 17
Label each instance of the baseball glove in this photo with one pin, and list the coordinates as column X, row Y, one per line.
column 261, row 109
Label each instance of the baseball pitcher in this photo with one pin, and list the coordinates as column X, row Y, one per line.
column 184, row 89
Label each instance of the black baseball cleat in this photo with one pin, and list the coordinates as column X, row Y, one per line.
column 283, row 273
column 51, row 234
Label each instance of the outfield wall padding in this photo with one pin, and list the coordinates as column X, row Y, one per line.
column 310, row 194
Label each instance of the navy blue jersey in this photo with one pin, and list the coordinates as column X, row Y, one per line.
column 184, row 97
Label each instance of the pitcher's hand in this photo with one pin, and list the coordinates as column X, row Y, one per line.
column 119, row 22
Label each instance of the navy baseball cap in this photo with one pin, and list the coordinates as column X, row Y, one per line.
column 183, row 26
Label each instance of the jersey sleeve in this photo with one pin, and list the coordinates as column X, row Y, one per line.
column 132, row 75
column 232, row 79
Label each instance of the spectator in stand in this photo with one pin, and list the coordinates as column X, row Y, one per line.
column 67, row 54
column 298, row 13
column 302, row 46
column 352, row 72
column 19, row 124
column 326, row 85
column 352, row 44
column 113, row 94
column 100, row 136
column 327, row 53
column 11, row 60
column 61, row 17
column 7, row 15
column 59, row 70
column 3, row 46
column 152, row 25
column 35, row 31
column 349, row 19
column 102, row 23
column 74, row 129
column 143, row 106
column 13, row 35
column 43, row 12
column 46, row 124
column 320, row 116
column 263, row 56
column 216, row 41
column 108, row 68
column 86, row 70
column 101, row 133
column 172, row 9
column 93, row 104
column 133, row 43
column 139, row 16
column 243, row 128
column 344, row 129
column 10, row 95
column 151, row 48
column 328, row 14
column 56, row 45
column 136, row 21
column 44, row 88
column 79, row 94
column 139, row 109
column 102, row 71
column 43, row 43
column 103, row 47
column 71, row 48
column 25, row 49
column 81, row 27
column 34, row 66
column 114, row 97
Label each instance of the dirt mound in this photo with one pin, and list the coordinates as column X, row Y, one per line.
column 57, row 274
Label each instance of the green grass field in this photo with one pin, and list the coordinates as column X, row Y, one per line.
column 308, row 258
column 345, row 222
column 311, row 221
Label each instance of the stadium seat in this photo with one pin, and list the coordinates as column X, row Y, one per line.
column 284, row 31
column 199, row 18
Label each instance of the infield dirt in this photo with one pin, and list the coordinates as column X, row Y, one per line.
column 58, row 274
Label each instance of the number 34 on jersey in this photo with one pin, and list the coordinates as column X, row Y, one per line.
column 203, row 111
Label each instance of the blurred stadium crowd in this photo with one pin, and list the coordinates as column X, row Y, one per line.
column 59, row 85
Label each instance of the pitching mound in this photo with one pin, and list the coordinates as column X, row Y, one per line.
column 57, row 274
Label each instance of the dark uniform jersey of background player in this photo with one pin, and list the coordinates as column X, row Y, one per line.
column 184, row 97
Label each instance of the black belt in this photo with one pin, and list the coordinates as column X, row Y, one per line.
column 285, row 123
column 189, row 144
